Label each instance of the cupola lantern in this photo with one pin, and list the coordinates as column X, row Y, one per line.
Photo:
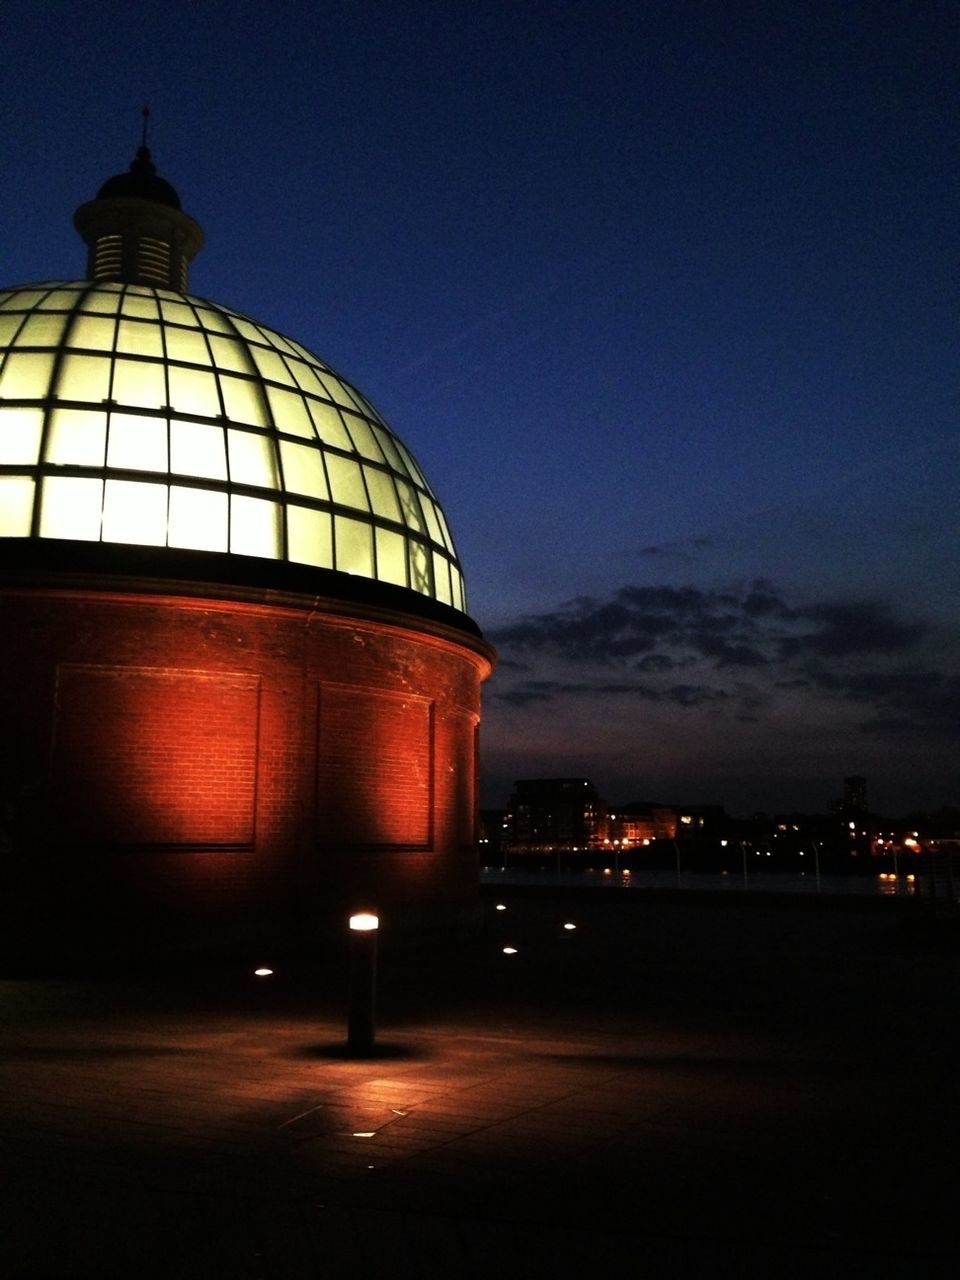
column 135, row 230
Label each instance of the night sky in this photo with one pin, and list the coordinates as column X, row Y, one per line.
column 662, row 295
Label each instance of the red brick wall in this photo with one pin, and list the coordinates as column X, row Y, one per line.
column 375, row 767
column 154, row 756
column 254, row 764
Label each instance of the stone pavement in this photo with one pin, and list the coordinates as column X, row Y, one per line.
column 676, row 1087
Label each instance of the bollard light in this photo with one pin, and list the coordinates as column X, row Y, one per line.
column 361, row 1028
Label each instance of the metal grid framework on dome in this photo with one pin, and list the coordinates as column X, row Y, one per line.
column 136, row 415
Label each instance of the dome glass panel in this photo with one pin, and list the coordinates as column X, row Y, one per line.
column 136, row 415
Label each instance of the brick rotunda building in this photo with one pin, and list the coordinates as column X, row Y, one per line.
column 240, row 691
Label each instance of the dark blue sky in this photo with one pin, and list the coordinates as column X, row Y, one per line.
column 662, row 295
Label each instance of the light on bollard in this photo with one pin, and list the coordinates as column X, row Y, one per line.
column 361, row 1024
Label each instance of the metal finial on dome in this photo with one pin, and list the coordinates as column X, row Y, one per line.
column 142, row 163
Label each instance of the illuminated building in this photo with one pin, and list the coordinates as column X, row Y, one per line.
column 241, row 690
column 642, row 821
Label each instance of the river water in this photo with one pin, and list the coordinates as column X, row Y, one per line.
column 880, row 884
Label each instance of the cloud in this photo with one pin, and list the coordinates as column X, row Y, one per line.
column 681, row 695
column 675, row 550
column 634, row 622
column 508, row 664
column 692, row 695
column 658, row 662
column 842, row 629
column 749, row 626
column 762, row 601
column 904, row 699
column 529, row 691
column 730, row 655
column 857, row 652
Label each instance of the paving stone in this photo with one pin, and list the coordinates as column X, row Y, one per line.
column 789, row 1118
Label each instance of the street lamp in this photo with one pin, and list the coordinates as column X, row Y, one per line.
column 361, row 1026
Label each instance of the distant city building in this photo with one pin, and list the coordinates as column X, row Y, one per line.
column 550, row 814
column 560, row 816
column 490, row 835
column 857, row 826
column 855, row 793
column 641, row 822
column 707, row 820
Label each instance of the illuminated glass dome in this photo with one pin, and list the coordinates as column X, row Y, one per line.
column 137, row 415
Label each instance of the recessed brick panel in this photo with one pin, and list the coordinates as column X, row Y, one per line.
column 154, row 756
column 374, row 768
